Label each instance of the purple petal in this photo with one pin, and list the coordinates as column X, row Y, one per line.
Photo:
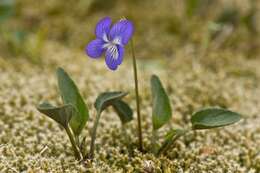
column 114, row 56
column 103, row 27
column 122, row 30
column 95, row 48
column 121, row 54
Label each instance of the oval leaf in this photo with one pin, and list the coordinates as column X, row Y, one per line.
column 123, row 110
column 213, row 117
column 61, row 115
column 162, row 111
column 107, row 98
column 70, row 95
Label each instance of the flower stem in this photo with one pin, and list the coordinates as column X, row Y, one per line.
column 137, row 99
column 93, row 137
column 73, row 143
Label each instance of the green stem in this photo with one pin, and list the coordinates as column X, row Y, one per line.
column 137, row 99
column 93, row 137
column 166, row 145
column 73, row 143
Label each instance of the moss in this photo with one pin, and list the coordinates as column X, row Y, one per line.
column 32, row 142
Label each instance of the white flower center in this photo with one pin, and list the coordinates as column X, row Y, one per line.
column 111, row 46
column 117, row 41
column 112, row 49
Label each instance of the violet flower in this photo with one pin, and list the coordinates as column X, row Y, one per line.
column 111, row 41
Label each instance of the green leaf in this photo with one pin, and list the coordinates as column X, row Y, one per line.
column 123, row 110
column 213, row 117
column 170, row 138
column 162, row 111
column 61, row 115
column 70, row 95
column 107, row 98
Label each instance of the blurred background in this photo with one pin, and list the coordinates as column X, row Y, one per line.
column 161, row 27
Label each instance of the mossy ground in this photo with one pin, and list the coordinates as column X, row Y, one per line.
column 31, row 142
column 195, row 74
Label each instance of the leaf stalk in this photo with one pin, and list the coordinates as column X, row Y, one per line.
column 75, row 148
column 93, row 136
